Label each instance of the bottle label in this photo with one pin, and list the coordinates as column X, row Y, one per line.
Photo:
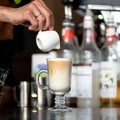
column 108, row 80
column 118, row 71
column 88, row 80
column 110, row 32
column 38, row 62
column 68, row 33
column 110, row 35
column 85, row 81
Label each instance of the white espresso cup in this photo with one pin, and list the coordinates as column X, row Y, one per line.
column 48, row 40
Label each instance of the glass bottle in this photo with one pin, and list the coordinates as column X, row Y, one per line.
column 89, row 67
column 70, row 49
column 117, row 44
column 110, row 83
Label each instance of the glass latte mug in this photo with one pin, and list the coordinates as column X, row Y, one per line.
column 58, row 81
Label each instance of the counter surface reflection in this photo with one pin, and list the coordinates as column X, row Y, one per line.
column 44, row 114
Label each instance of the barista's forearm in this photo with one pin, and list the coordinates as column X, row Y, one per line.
column 4, row 14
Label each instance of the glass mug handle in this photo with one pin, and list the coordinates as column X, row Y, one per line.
column 42, row 79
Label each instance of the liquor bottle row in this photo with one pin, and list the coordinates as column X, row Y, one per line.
column 96, row 71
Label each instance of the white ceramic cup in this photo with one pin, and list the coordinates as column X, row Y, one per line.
column 48, row 40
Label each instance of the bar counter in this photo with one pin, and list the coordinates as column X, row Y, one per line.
column 25, row 113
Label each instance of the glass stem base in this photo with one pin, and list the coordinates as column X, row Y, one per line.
column 60, row 104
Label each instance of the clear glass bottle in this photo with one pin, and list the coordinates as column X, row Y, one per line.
column 110, row 83
column 89, row 67
column 117, row 44
column 117, row 48
column 70, row 49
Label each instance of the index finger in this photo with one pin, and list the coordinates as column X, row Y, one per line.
column 47, row 13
